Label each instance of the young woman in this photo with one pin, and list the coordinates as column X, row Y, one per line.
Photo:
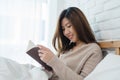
column 78, row 50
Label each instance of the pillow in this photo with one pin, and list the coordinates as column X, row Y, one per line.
column 11, row 70
column 107, row 69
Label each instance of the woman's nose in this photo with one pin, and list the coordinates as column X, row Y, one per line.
column 67, row 31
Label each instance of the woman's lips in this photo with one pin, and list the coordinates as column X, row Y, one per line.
column 70, row 37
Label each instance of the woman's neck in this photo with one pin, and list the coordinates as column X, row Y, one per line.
column 78, row 45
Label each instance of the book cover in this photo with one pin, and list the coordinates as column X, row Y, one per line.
column 32, row 51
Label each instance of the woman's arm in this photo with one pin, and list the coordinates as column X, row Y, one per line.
column 65, row 73
column 94, row 56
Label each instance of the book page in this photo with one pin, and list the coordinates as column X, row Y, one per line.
column 30, row 45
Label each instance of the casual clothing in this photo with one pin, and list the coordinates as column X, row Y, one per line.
column 76, row 65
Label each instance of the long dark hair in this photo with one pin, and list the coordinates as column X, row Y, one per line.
column 81, row 26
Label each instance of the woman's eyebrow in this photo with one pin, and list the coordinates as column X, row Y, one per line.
column 67, row 24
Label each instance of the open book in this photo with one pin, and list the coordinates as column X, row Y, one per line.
column 32, row 50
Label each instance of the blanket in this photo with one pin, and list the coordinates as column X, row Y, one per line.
column 11, row 70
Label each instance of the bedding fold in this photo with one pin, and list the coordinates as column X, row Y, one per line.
column 11, row 70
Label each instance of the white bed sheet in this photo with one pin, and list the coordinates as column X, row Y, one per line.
column 11, row 70
column 107, row 69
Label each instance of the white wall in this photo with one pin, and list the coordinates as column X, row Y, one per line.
column 20, row 21
column 52, row 13
column 55, row 7
column 26, row 22
column 103, row 15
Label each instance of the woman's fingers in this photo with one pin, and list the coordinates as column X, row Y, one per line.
column 42, row 47
column 45, row 53
column 40, row 54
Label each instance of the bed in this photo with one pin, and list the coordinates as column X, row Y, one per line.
column 111, row 44
column 107, row 69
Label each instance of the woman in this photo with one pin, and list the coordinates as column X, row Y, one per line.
column 78, row 50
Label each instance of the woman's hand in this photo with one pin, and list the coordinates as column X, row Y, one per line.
column 45, row 54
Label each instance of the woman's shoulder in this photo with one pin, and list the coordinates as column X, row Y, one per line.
column 92, row 46
column 95, row 45
column 95, row 48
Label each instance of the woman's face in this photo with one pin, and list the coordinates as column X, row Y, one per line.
column 69, row 31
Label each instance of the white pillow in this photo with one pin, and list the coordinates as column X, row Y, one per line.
column 11, row 70
column 107, row 69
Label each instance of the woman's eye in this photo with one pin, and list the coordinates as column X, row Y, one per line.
column 69, row 26
column 63, row 29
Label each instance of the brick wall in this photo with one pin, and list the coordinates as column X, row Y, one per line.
column 103, row 16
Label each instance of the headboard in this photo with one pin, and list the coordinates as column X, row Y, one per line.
column 111, row 44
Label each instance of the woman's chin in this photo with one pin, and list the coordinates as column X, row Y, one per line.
column 72, row 41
